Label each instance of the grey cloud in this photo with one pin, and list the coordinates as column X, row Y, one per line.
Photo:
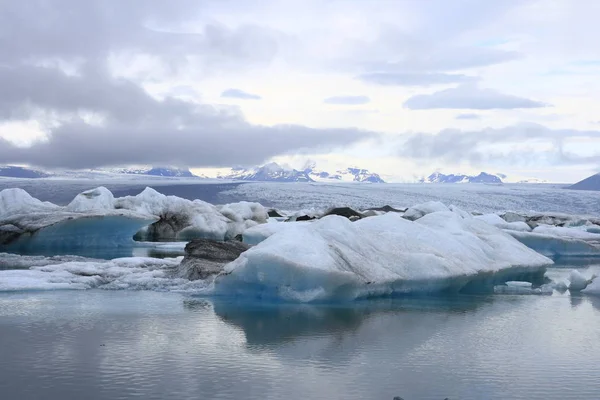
column 523, row 141
column 239, row 94
column 413, row 78
column 347, row 100
column 212, row 144
column 137, row 128
column 470, row 97
column 129, row 125
column 468, row 116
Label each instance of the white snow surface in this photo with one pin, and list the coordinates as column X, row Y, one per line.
column 334, row 258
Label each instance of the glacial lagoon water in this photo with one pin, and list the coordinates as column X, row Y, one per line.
column 150, row 345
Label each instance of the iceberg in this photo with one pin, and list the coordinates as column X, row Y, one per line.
column 336, row 259
column 95, row 221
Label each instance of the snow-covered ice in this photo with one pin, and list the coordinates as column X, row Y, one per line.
column 334, row 258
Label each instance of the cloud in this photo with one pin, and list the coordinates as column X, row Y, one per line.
column 522, row 144
column 469, row 97
column 347, row 100
column 134, row 127
column 239, row 94
column 212, row 141
column 468, row 116
column 413, row 78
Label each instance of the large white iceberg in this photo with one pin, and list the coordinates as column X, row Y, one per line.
column 334, row 258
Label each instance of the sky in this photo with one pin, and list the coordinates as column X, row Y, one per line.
column 403, row 88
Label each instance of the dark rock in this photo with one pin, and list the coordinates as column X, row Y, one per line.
column 239, row 238
column 274, row 214
column 345, row 212
column 305, row 218
column 9, row 234
column 205, row 258
column 386, row 209
column 164, row 229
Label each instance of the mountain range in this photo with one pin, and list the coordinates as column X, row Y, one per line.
column 483, row 177
column 23, row 172
column 274, row 172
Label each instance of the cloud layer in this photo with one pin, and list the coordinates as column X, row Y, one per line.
column 522, row 144
column 469, row 97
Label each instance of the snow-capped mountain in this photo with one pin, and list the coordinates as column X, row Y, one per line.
column 271, row 172
column 483, row 177
column 346, row 175
column 11, row 171
column 274, row 172
column 154, row 171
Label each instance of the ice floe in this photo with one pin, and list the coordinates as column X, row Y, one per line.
column 134, row 273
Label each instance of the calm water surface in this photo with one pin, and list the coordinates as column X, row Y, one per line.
column 149, row 345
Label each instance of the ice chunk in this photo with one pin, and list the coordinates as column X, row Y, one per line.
column 495, row 220
column 418, row 211
column 577, row 282
column 593, row 288
column 333, row 258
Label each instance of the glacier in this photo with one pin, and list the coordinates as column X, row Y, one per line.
column 335, row 259
column 96, row 221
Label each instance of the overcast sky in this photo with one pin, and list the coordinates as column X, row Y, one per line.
column 400, row 87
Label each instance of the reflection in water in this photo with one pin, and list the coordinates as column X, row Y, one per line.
column 123, row 344
column 274, row 323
